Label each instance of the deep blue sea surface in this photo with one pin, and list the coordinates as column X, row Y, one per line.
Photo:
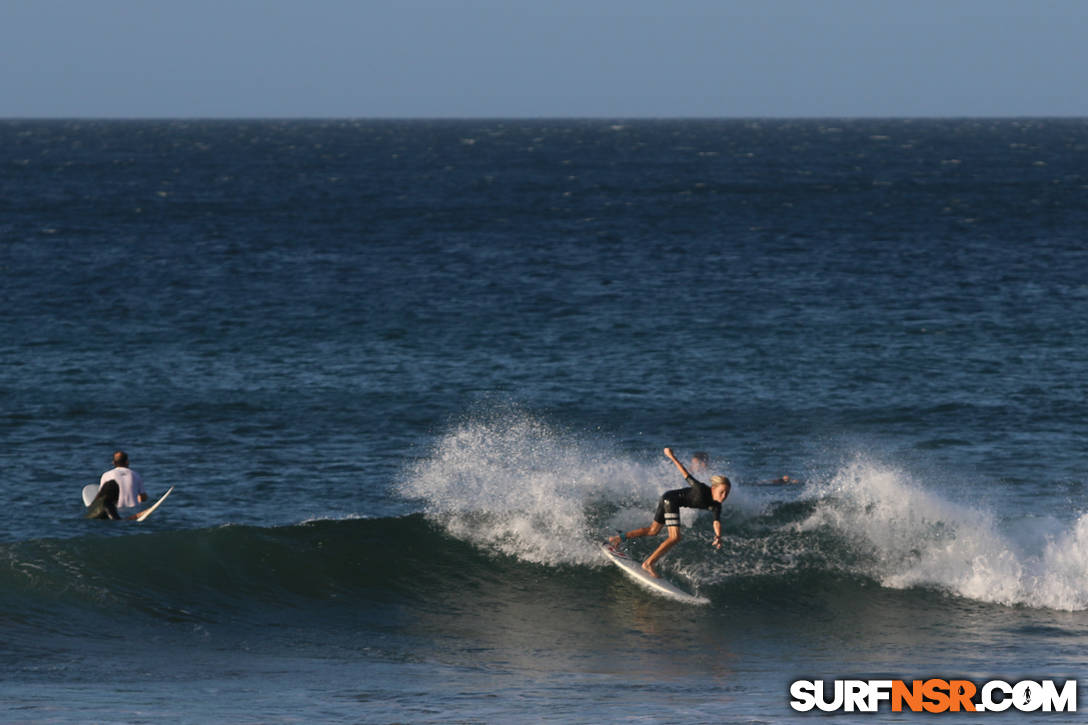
column 405, row 375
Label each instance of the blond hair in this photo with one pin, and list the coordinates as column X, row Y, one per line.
column 720, row 481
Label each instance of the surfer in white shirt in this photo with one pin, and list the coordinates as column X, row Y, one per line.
column 129, row 482
column 104, row 504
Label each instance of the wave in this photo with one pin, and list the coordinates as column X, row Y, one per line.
column 512, row 507
column 361, row 572
column 211, row 573
column 903, row 535
column 510, row 484
column 335, row 570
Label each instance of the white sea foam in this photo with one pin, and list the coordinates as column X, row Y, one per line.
column 509, row 483
column 904, row 535
column 512, row 484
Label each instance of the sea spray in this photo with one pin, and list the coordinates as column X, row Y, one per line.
column 509, row 482
column 1062, row 579
column 902, row 534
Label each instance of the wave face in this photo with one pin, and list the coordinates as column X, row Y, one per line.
column 510, row 484
column 513, row 507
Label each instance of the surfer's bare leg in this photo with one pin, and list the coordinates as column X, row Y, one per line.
column 650, row 530
column 674, row 537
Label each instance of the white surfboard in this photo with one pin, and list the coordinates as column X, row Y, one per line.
column 147, row 512
column 91, row 490
column 657, row 585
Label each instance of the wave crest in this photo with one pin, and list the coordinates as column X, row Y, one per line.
column 508, row 483
column 904, row 535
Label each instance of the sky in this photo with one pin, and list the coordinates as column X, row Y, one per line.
column 542, row 58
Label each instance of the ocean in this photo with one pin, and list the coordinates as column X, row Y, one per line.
column 406, row 375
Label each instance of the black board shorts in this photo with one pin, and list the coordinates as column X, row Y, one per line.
column 668, row 508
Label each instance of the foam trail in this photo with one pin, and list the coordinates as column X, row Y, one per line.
column 510, row 483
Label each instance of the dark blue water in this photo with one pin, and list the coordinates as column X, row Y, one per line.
column 405, row 375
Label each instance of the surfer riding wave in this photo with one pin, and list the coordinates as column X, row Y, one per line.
column 698, row 496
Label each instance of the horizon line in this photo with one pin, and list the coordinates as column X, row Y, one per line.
column 618, row 118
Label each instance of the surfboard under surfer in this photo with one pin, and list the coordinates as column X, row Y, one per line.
column 698, row 496
column 104, row 504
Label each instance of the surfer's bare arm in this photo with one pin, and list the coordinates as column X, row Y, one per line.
column 717, row 534
column 672, row 457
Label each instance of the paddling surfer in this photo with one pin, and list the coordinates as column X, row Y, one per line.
column 698, row 496
column 780, row 481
